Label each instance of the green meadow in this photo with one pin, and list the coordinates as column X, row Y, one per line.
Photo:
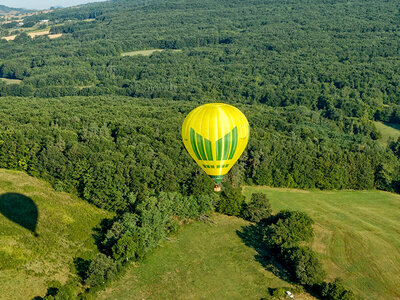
column 202, row 261
column 41, row 231
column 357, row 234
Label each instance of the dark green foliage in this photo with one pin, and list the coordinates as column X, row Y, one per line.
column 288, row 229
column 57, row 291
column 125, row 248
column 304, row 265
column 258, row 208
column 230, row 51
column 101, row 270
column 336, row 291
column 131, row 235
column 395, row 146
column 231, row 201
column 279, row 293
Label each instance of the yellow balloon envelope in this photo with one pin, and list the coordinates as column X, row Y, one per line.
column 215, row 135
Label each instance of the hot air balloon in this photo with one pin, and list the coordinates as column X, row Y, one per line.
column 215, row 135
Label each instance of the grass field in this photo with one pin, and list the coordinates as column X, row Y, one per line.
column 388, row 131
column 41, row 231
column 202, row 261
column 11, row 81
column 145, row 52
column 357, row 234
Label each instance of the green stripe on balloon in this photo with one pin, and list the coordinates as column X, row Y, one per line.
column 208, row 149
column 200, row 144
column 193, row 142
column 227, row 145
column 234, row 142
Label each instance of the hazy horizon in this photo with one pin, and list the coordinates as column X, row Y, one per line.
column 44, row 4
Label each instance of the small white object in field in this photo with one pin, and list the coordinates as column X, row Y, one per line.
column 289, row 294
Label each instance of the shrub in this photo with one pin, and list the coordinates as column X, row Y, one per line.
column 258, row 209
column 289, row 228
column 231, row 201
column 124, row 248
column 336, row 291
column 304, row 265
column 102, row 268
column 279, row 292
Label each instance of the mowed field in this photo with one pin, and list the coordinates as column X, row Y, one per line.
column 41, row 231
column 202, row 261
column 357, row 234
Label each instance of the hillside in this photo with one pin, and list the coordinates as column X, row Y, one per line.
column 41, row 231
column 356, row 233
column 5, row 9
column 202, row 261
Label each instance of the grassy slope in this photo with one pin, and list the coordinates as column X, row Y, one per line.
column 357, row 234
column 388, row 131
column 64, row 227
column 203, row 261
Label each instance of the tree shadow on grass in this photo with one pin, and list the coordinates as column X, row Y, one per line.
column 252, row 236
column 20, row 209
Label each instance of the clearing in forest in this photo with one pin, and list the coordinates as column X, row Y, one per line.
column 388, row 131
column 11, row 81
column 147, row 52
column 201, row 261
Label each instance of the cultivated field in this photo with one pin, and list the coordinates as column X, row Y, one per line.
column 356, row 232
column 41, row 231
column 202, row 261
column 146, row 52
column 35, row 34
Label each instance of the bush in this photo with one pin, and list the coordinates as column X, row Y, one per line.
column 258, row 209
column 304, row 265
column 289, row 228
column 336, row 291
column 57, row 291
column 101, row 269
column 279, row 292
column 231, row 201
column 124, row 248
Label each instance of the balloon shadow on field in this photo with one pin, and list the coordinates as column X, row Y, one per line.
column 20, row 209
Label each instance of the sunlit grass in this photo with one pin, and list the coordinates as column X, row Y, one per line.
column 388, row 131
column 202, row 261
column 356, row 232
column 64, row 228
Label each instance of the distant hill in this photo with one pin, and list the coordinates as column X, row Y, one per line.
column 5, row 9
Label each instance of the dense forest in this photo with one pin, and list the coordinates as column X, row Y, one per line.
column 110, row 150
column 270, row 52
